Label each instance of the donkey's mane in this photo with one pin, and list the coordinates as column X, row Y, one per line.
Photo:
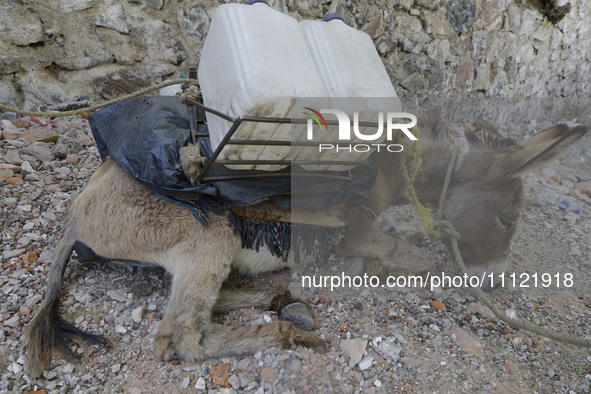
column 491, row 139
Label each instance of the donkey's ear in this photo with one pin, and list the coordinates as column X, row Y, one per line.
column 549, row 134
column 542, row 148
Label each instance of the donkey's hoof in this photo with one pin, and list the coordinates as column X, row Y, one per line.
column 298, row 314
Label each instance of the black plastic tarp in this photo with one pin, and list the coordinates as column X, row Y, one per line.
column 144, row 136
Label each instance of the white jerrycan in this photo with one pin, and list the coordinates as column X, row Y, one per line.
column 351, row 68
column 253, row 62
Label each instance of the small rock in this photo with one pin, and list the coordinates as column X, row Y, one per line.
column 115, row 368
column 365, row 363
column 21, row 124
column 200, row 384
column 511, row 313
column 461, row 14
column 220, row 373
column 467, row 342
column 8, row 254
column 13, row 321
column 355, row 348
column 69, row 368
column 389, row 350
column 39, row 150
column 117, row 295
column 120, row 329
column 33, row 300
column 31, row 257
column 234, row 382
column 13, row 157
column 438, row 305
column 268, row 374
column 16, row 369
column 185, row 382
column 24, row 309
column 112, row 18
column 7, row 125
column 15, row 181
column 138, row 314
column 26, row 167
column 66, row 146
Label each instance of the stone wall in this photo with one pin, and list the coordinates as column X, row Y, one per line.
column 54, row 51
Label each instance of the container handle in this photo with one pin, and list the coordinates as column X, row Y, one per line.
column 251, row 2
column 332, row 16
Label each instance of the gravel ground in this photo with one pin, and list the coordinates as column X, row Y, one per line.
column 380, row 341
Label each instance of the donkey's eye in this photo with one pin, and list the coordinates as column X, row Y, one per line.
column 504, row 222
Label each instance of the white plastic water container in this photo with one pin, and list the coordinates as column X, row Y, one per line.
column 253, row 62
column 350, row 66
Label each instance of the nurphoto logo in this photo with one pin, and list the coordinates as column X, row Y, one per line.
column 344, row 130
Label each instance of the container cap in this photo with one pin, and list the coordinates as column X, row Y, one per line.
column 333, row 16
column 251, row 2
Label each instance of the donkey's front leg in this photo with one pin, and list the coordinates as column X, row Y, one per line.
column 199, row 264
column 188, row 312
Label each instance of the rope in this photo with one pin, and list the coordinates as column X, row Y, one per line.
column 56, row 114
column 446, row 230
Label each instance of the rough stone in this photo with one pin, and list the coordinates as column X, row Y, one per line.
column 12, row 156
column 365, row 363
column 117, row 295
column 439, row 50
column 220, row 374
column 354, row 348
column 200, row 384
column 158, row 41
column 408, row 24
column 385, row 46
column 138, row 314
column 389, row 350
column 464, row 75
column 119, row 83
column 482, row 80
column 19, row 26
column 429, row 4
column 491, row 15
column 437, row 26
column 193, row 20
column 412, row 46
column 67, row 6
column 480, row 45
column 39, row 150
column 414, row 84
column 437, row 81
column 112, row 18
column 66, row 146
column 467, row 342
column 7, row 125
column 268, row 374
column 461, row 14
column 512, row 18
column 374, row 29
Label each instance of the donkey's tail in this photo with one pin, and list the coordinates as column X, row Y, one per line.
column 48, row 334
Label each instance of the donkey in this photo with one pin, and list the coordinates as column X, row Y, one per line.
column 117, row 218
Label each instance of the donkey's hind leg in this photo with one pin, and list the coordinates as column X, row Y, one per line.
column 220, row 341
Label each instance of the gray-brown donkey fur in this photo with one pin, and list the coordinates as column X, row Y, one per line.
column 120, row 219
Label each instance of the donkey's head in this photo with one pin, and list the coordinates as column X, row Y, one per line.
column 485, row 196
